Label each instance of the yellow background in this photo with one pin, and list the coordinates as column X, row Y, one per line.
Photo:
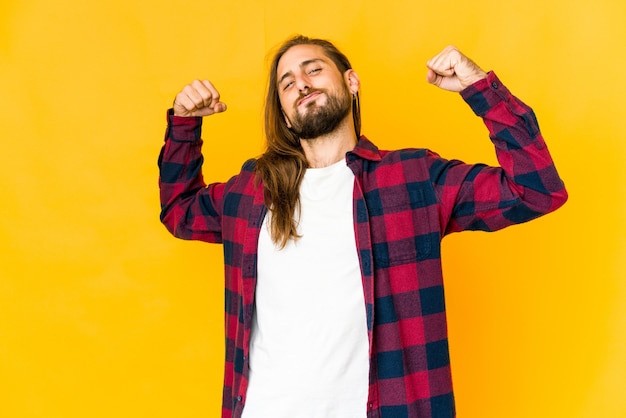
column 102, row 313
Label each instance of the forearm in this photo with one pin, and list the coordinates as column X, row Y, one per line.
column 189, row 209
column 520, row 147
column 525, row 185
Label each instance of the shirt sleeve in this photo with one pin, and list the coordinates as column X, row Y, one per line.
column 525, row 186
column 190, row 209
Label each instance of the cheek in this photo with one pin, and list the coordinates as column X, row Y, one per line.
column 286, row 102
column 286, row 111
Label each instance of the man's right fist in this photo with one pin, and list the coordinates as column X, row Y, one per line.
column 199, row 98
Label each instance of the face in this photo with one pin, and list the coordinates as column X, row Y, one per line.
column 314, row 95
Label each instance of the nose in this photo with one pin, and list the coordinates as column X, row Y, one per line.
column 302, row 82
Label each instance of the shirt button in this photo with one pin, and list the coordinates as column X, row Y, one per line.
column 371, row 405
column 494, row 85
column 238, row 398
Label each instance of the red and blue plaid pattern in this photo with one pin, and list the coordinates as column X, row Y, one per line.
column 405, row 202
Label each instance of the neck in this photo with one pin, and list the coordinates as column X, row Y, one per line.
column 328, row 149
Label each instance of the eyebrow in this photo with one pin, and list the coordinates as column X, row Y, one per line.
column 302, row 64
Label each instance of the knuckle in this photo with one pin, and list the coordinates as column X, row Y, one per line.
column 205, row 95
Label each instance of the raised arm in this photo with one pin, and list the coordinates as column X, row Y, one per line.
column 479, row 197
column 189, row 208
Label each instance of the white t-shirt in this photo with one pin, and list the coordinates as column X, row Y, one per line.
column 309, row 351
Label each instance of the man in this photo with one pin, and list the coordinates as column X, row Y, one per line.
column 334, row 294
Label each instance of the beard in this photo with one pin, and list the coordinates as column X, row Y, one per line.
column 321, row 120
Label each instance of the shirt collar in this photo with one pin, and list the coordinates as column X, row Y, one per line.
column 364, row 149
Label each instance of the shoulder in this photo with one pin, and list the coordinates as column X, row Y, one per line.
column 244, row 181
column 249, row 166
column 406, row 157
column 366, row 150
column 404, row 154
column 402, row 166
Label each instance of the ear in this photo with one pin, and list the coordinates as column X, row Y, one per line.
column 286, row 119
column 352, row 80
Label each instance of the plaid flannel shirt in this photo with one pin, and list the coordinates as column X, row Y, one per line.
column 404, row 203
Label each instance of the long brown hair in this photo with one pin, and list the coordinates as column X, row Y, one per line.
column 281, row 168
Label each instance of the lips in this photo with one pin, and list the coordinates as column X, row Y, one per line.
column 308, row 98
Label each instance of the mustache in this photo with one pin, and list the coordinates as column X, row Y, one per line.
column 306, row 93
